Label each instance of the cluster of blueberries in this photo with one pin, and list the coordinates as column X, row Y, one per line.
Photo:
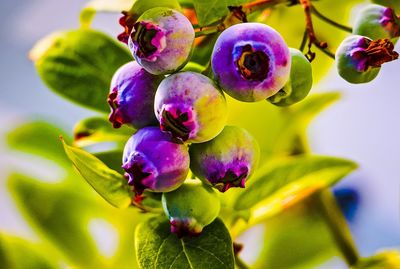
column 180, row 117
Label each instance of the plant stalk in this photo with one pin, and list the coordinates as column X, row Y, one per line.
column 337, row 225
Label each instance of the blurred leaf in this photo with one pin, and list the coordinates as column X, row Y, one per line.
column 107, row 182
column 157, row 247
column 70, row 65
column 92, row 7
column 98, row 129
column 135, row 7
column 389, row 259
column 284, row 183
column 39, row 138
column 58, row 214
column 113, row 159
column 276, row 128
column 17, row 253
column 209, row 11
column 298, row 238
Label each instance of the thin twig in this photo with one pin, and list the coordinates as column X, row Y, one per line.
column 332, row 22
column 303, row 41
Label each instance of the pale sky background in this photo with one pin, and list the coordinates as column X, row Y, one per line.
column 364, row 126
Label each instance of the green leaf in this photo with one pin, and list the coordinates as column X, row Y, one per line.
column 17, row 253
column 107, row 182
column 59, row 215
column 388, row 259
column 134, row 7
column 297, row 238
column 209, row 11
column 69, row 64
column 98, row 129
column 39, row 138
column 276, row 128
column 285, row 182
column 112, row 158
column 158, row 248
column 92, row 7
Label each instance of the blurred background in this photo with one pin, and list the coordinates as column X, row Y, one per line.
column 363, row 126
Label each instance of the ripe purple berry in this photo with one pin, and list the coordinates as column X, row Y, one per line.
column 226, row 161
column 251, row 61
column 161, row 40
column 190, row 107
column 191, row 207
column 376, row 21
column 358, row 58
column 131, row 96
column 152, row 160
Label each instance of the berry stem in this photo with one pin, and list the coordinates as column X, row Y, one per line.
column 202, row 31
column 312, row 38
column 239, row 14
column 337, row 225
column 332, row 22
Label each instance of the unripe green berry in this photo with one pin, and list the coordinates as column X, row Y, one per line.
column 358, row 58
column 299, row 84
column 376, row 21
column 191, row 207
column 395, row 4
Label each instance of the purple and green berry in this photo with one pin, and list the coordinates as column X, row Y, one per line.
column 376, row 21
column 154, row 161
column 131, row 97
column 190, row 107
column 226, row 161
column 299, row 84
column 191, row 207
column 251, row 61
column 161, row 40
column 359, row 58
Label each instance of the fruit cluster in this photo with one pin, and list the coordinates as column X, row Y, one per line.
column 181, row 115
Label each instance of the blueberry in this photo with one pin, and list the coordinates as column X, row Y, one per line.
column 226, row 161
column 299, row 84
column 131, row 96
column 375, row 22
column 161, row 40
column 190, row 208
column 348, row 199
column 153, row 161
column 251, row 61
column 190, row 107
column 358, row 58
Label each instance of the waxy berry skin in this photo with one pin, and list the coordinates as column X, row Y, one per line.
column 299, row 84
column 226, row 161
column 161, row 40
column 131, row 97
column 153, row 161
column 190, row 208
column 250, row 61
column 358, row 58
column 376, row 21
column 190, row 107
